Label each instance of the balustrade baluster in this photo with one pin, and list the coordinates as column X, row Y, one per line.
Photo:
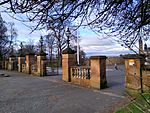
column 82, row 73
column 76, row 72
column 73, row 72
column 85, row 73
column 88, row 75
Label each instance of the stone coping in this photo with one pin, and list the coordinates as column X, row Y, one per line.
column 98, row 57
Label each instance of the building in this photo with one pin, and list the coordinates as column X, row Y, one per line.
column 144, row 50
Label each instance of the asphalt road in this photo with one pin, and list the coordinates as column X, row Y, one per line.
column 22, row 93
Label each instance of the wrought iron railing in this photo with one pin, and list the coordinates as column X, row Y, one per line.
column 82, row 72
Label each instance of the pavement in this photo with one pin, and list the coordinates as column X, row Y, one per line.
column 23, row 93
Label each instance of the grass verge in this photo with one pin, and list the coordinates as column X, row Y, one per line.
column 140, row 105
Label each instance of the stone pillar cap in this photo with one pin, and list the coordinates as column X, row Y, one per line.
column 12, row 55
column 41, row 54
column 30, row 54
column 98, row 57
column 21, row 55
column 68, row 51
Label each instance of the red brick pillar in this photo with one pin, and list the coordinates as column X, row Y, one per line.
column 68, row 59
column 98, row 72
column 133, row 73
column 30, row 59
column 41, row 64
column 21, row 60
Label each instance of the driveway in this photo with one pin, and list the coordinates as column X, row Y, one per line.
column 22, row 93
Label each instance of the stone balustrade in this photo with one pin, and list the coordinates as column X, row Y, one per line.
column 82, row 72
column 24, row 68
column 80, row 75
column 33, row 68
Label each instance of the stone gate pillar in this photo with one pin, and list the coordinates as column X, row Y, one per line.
column 98, row 72
column 11, row 62
column 21, row 60
column 68, row 59
column 41, row 64
column 30, row 59
column 133, row 73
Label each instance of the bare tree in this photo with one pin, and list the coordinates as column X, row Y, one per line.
column 56, row 40
column 125, row 19
column 50, row 42
column 8, row 35
column 3, row 37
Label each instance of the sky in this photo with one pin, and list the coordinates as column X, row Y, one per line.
column 90, row 43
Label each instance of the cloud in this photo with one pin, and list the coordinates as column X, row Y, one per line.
column 108, row 47
column 85, row 41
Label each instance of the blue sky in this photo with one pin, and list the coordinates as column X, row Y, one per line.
column 22, row 30
column 90, row 42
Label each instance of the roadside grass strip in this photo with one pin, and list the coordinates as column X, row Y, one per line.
column 124, row 110
column 134, row 109
column 140, row 105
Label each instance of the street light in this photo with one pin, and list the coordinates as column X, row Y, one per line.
column 68, row 34
column 21, row 46
column 41, row 43
column 12, row 49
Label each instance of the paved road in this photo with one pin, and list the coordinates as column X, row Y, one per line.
column 22, row 93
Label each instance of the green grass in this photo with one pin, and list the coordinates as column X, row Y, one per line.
column 139, row 105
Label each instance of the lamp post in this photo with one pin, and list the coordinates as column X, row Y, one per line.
column 21, row 46
column 12, row 49
column 68, row 34
column 41, row 44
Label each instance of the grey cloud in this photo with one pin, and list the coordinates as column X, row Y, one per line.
column 85, row 42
